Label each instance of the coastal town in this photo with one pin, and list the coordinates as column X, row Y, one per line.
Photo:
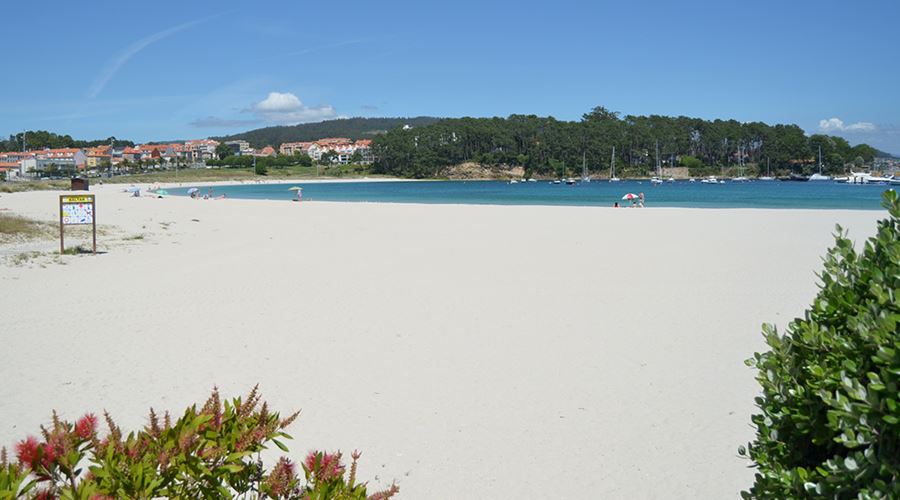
column 112, row 159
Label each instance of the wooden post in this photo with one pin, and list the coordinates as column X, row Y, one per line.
column 61, row 244
column 94, row 218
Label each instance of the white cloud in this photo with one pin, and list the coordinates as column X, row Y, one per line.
column 837, row 125
column 286, row 108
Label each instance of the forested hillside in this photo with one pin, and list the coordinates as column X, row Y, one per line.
column 551, row 147
column 353, row 128
column 40, row 139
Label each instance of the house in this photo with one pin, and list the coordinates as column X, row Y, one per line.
column 98, row 157
column 292, row 148
column 200, row 149
column 131, row 154
column 24, row 162
column 239, row 148
column 266, row 151
column 67, row 160
column 342, row 147
column 364, row 146
column 9, row 170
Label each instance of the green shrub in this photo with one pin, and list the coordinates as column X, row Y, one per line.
column 829, row 422
column 691, row 162
column 213, row 452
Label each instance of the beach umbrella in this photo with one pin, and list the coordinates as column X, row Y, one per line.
column 630, row 196
column 132, row 189
column 193, row 190
column 295, row 188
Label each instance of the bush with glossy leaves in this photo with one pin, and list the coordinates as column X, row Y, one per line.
column 829, row 421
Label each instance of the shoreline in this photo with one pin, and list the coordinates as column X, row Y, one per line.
column 677, row 203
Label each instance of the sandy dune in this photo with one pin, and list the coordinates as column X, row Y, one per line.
column 468, row 351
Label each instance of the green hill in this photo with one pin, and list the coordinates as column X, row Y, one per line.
column 353, row 128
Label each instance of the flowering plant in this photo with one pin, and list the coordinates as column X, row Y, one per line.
column 213, row 452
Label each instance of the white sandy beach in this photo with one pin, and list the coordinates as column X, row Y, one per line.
column 468, row 351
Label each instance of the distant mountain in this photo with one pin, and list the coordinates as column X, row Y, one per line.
column 353, row 128
column 882, row 154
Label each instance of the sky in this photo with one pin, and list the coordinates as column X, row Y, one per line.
column 166, row 70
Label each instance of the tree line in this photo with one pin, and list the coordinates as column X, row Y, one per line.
column 41, row 139
column 547, row 146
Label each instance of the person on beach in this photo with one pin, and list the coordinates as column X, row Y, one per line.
column 616, row 205
column 641, row 200
column 299, row 195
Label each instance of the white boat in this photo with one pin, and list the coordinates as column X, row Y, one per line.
column 657, row 179
column 711, row 180
column 670, row 179
column 692, row 180
column 867, row 178
column 768, row 176
column 571, row 181
column 741, row 177
column 513, row 181
column 585, row 177
column 818, row 176
column 556, row 181
column 612, row 167
column 894, row 180
column 532, row 180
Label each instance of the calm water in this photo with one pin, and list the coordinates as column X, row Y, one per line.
column 757, row 194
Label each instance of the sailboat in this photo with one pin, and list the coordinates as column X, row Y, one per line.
column 612, row 167
column 740, row 177
column 658, row 179
column 584, row 171
column 768, row 176
column 818, row 176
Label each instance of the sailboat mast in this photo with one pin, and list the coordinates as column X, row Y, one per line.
column 612, row 164
column 658, row 167
column 584, row 172
column 820, row 159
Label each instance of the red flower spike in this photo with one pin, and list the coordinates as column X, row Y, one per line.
column 86, row 426
column 27, row 452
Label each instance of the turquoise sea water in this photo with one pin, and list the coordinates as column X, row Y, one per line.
column 756, row 194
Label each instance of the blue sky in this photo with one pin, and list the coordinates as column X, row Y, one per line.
column 173, row 70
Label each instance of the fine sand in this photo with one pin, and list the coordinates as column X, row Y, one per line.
column 468, row 351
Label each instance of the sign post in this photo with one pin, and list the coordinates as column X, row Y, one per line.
column 77, row 211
